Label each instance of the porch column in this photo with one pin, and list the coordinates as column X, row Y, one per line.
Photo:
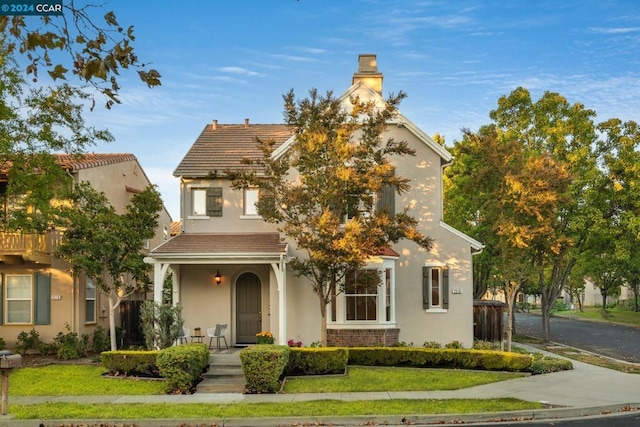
column 159, row 272
column 280, row 271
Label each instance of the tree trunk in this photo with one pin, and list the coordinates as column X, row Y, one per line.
column 112, row 324
column 546, row 312
column 603, row 292
column 323, row 323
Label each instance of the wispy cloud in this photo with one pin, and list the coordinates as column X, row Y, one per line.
column 618, row 30
column 241, row 71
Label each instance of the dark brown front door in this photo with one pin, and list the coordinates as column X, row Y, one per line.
column 248, row 308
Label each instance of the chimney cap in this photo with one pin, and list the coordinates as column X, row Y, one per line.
column 367, row 63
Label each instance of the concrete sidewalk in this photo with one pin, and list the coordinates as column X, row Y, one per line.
column 586, row 390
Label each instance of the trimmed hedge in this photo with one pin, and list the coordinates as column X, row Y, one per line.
column 130, row 362
column 440, row 358
column 263, row 365
column 182, row 365
column 317, row 361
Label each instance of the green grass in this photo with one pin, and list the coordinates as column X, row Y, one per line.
column 76, row 380
column 395, row 379
column 400, row 407
column 614, row 315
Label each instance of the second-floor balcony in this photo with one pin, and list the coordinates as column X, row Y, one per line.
column 28, row 247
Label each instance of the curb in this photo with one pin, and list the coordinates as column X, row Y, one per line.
column 491, row 418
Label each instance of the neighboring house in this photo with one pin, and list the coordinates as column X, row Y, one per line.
column 591, row 296
column 424, row 295
column 38, row 290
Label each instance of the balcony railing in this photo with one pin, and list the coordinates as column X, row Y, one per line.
column 29, row 246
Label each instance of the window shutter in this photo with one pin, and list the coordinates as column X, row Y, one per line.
column 386, row 199
column 43, row 299
column 214, row 201
column 445, row 288
column 426, row 292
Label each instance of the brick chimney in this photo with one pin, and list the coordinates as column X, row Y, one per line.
column 368, row 72
column 246, row 123
column 214, row 125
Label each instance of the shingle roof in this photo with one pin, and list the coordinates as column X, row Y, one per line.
column 222, row 243
column 222, row 147
column 91, row 160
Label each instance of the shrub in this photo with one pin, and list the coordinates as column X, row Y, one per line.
column 28, row 341
column 431, row 344
column 129, row 362
column 161, row 324
column 439, row 358
column 454, row 344
column 69, row 345
column 263, row 365
column 484, row 345
column 101, row 341
column 3, row 344
column 182, row 366
column 546, row 364
column 317, row 361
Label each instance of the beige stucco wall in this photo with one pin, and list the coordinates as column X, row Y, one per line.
column 232, row 220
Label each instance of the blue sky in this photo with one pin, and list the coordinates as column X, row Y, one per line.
column 231, row 60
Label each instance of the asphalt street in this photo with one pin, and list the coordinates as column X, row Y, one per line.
column 606, row 339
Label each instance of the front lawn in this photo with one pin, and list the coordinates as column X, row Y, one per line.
column 395, row 379
column 399, row 407
column 76, row 380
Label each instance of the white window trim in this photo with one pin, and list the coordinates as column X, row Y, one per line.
column 245, row 208
column 95, row 302
column 191, row 191
column 438, row 308
column 341, row 322
column 7, row 300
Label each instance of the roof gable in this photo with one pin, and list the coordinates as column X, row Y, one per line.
column 366, row 94
column 222, row 147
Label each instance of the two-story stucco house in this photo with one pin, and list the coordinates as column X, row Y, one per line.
column 423, row 296
column 38, row 290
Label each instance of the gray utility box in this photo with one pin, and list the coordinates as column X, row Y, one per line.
column 9, row 360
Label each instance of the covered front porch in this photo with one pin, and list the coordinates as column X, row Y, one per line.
column 237, row 279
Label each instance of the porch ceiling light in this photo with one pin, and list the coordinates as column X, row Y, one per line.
column 217, row 278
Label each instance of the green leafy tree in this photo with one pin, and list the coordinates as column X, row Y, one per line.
column 33, row 123
column 619, row 151
column 562, row 136
column 38, row 118
column 77, row 43
column 503, row 193
column 107, row 246
column 321, row 190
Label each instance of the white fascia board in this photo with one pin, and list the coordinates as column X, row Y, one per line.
column 475, row 245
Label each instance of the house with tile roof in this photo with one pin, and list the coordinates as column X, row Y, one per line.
column 38, row 290
column 230, row 267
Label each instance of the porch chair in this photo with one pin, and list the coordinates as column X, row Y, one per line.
column 184, row 335
column 217, row 333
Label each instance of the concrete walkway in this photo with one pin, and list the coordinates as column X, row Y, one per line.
column 586, row 390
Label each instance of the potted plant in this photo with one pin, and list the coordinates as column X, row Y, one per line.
column 264, row 338
column 197, row 331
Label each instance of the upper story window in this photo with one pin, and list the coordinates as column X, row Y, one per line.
column 250, row 199
column 206, row 201
column 435, row 287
